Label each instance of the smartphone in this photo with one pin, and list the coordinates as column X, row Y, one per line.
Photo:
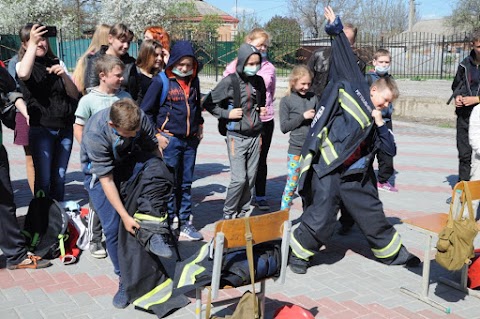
column 51, row 32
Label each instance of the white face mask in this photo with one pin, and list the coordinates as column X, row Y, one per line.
column 382, row 70
column 181, row 74
column 251, row 70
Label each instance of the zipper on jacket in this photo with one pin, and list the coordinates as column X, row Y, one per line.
column 249, row 105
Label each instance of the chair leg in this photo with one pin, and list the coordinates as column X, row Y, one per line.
column 198, row 303
column 262, row 298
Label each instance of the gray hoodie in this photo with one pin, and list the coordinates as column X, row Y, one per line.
column 252, row 96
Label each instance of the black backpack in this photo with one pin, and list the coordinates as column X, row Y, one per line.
column 45, row 226
column 7, row 108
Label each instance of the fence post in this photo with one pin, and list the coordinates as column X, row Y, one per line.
column 441, row 58
column 216, row 58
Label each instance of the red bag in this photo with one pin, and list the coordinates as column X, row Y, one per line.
column 292, row 311
column 474, row 271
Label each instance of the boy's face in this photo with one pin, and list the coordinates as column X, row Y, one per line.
column 184, row 65
column 350, row 34
column 380, row 98
column 113, row 79
column 253, row 61
column 119, row 47
column 383, row 61
column 476, row 48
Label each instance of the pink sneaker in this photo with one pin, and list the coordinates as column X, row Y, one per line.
column 386, row 187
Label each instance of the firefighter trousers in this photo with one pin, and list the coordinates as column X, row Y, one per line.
column 360, row 200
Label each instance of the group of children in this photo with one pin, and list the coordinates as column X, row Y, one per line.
column 168, row 124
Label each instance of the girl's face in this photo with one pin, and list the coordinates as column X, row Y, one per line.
column 259, row 43
column 148, row 35
column 119, row 47
column 302, row 85
column 42, row 47
column 158, row 62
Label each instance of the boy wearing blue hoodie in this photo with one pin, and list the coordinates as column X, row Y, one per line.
column 244, row 127
column 179, row 119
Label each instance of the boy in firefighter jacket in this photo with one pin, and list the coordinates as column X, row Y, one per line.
column 346, row 133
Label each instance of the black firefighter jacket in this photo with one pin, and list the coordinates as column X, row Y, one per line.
column 343, row 119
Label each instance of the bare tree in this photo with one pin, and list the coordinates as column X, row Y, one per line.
column 465, row 15
column 374, row 17
column 309, row 13
column 383, row 17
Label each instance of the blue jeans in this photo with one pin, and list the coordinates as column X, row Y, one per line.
column 180, row 155
column 109, row 218
column 51, row 150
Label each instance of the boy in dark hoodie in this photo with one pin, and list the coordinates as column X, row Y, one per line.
column 180, row 120
column 243, row 129
column 466, row 89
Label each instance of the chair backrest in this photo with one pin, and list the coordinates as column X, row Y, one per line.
column 264, row 228
column 231, row 234
column 473, row 186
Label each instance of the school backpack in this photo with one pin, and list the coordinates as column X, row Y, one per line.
column 224, row 123
column 45, row 226
column 7, row 106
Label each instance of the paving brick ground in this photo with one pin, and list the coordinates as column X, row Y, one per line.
column 345, row 281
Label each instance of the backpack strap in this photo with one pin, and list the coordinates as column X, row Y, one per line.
column 249, row 240
column 236, row 89
column 165, row 87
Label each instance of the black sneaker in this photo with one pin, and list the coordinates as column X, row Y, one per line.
column 297, row 265
column 97, row 250
column 228, row 216
column 120, row 300
column 263, row 205
column 159, row 247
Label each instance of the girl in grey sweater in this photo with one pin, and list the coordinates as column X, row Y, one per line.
column 297, row 110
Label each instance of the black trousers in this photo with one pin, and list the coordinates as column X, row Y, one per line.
column 12, row 242
column 463, row 145
column 261, row 181
column 359, row 199
column 385, row 162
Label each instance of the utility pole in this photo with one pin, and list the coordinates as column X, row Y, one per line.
column 411, row 14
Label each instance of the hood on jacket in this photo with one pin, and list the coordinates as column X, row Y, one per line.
column 244, row 52
column 179, row 50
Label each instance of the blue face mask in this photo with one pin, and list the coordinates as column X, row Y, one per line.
column 251, row 70
column 264, row 55
column 382, row 70
column 181, row 74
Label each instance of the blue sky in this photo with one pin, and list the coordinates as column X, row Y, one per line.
column 265, row 9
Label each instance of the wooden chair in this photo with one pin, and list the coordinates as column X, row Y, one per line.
column 431, row 225
column 231, row 234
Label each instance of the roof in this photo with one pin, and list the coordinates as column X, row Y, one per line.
column 204, row 8
column 438, row 26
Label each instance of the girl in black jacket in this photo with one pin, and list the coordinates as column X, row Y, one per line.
column 51, row 101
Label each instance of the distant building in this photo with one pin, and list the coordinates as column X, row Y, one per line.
column 436, row 26
column 228, row 28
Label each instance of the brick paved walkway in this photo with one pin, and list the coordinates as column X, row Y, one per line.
column 344, row 282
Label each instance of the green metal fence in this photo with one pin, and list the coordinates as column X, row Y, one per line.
column 423, row 55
